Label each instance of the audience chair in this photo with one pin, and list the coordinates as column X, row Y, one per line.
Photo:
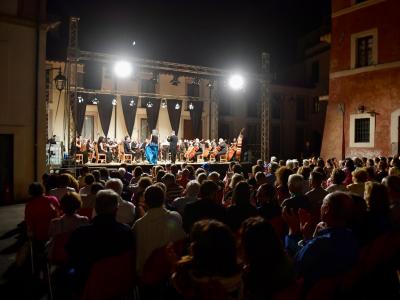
column 101, row 158
column 79, row 158
column 200, row 158
column 110, row 278
column 223, row 158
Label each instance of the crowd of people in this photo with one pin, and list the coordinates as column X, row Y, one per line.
column 313, row 229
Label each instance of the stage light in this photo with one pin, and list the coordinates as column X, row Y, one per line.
column 210, row 84
column 132, row 102
column 177, row 106
column 236, row 82
column 95, row 101
column 175, row 80
column 196, row 81
column 123, row 69
column 114, row 102
column 149, row 104
column 191, row 106
column 80, row 99
column 163, row 103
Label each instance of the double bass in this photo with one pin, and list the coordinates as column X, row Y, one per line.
column 239, row 142
column 231, row 151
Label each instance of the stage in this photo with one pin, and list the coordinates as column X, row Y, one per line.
column 220, row 167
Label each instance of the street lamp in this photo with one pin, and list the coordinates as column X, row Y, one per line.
column 60, row 80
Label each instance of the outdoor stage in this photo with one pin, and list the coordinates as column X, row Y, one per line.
column 220, row 167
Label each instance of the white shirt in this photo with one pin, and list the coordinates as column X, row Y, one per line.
column 155, row 229
column 85, row 191
column 125, row 212
column 60, row 192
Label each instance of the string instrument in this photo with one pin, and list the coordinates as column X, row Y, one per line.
column 216, row 150
column 231, row 151
column 189, row 151
column 192, row 153
column 239, row 142
column 206, row 152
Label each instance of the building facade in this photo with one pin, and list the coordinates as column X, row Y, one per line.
column 364, row 99
column 22, row 82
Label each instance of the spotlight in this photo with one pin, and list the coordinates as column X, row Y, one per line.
column 210, row 84
column 177, row 106
column 123, row 69
column 236, row 82
column 149, row 104
column 191, row 106
column 114, row 102
column 95, row 101
column 163, row 103
column 80, row 99
column 175, row 80
column 132, row 102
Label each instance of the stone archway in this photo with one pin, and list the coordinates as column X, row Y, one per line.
column 395, row 131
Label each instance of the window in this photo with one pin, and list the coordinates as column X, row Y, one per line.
column 88, row 128
column 362, row 130
column 148, row 86
column 144, row 130
column 300, row 108
column 364, row 51
column 193, row 90
column 315, row 72
column 276, row 106
column 364, row 48
column 275, row 140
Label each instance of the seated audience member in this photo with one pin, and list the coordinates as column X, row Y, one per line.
column 137, row 173
column 297, row 199
column 382, row 170
column 156, row 228
column 185, row 175
column 206, row 207
column 62, row 187
column 191, row 194
column 260, row 179
column 393, row 186
column 160, row 175
column 73, row 183
column 267, row 267
column 104, row 174
column 254, row 170
column 39, row 211
column 337, row 179
column 395, row 169
column 316, row 194
column 96, row 174
column 348, row 170
column 70, row 203
column 81, row 179
column 127, row 177
column 305, row 172
column 236, row 178
column 360, row 176
column 174, row 190
column 85, row 190
column 104, row 237
column 282, row 189
column 241, row 209
column 126, row 210
column 271, row 169
column 89, row 200
column 211, row 271
column 201, row 177
column 267, row 203
column 333, row 250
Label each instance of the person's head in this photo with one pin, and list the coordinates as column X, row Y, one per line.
column 208, row 190
column 236, row 178
column 214, row 176
column 104, row 174
column 260, row 243
column 191, row 171
column 115, row 184
column 316, row 179
column 282, row 176
column 272, row 167
column 260, row 163
column 213, row 249
column 296, row 184
column 106, row 202
column 266, row 193
column 89, row 179
column 160, row 175
column 70, row 203
column 192, row 188
column 231, row 164
column 198, row 171
column 168, row 179
column 336, row 209
column 338, row 176
column 35, row 189
column 84, row 170
column 393, row 186
column 377, row 197
column 360, row 175
column 201, row 177
column 121, row 172
column 154, row 196
column 256, row 168
column 237, row 168
column 185, row 173
column 137, row 172
column 349, row 164
column 241, row 193
column 63, row 181
column 174, row 169
column 144, row 182
column 96, row 174
column 97, row 186
column 260, row 178
column 305, row 172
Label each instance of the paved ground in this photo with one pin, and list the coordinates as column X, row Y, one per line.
column 10, row 216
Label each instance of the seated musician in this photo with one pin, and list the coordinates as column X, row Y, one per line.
column 103, row 148
column 127, row 145
column 197, row 147
column 222, row 148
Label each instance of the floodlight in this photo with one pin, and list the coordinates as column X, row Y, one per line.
column 236, row 82
column 123, row 69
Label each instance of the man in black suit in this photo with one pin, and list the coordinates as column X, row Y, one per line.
column 173, row 143
column 127, row 145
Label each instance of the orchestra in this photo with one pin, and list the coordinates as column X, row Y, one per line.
column 152, row 150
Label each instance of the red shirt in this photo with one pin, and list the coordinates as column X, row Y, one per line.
column 39, row 212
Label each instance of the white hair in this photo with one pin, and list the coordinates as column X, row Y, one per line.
column 296, row 183
column 306, row 163
column 121, row 172
column 192, row 188
column 114, row 184
column 290, row 164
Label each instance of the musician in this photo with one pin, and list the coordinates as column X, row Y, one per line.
column 173, row 143
column 103, row 148
column 152, row 148
column 197, row 147
column 222, row 148
column 127, row 145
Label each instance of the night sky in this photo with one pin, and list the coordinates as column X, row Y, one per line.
column 218, row 33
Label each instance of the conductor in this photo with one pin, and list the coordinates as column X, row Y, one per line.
column 173, row 143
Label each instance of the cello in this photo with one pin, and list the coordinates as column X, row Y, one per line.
column 231, row 151
column 239, row 143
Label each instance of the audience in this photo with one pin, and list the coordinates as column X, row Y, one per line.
column 62, row 188
column 191, row 194
column 126, row 210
